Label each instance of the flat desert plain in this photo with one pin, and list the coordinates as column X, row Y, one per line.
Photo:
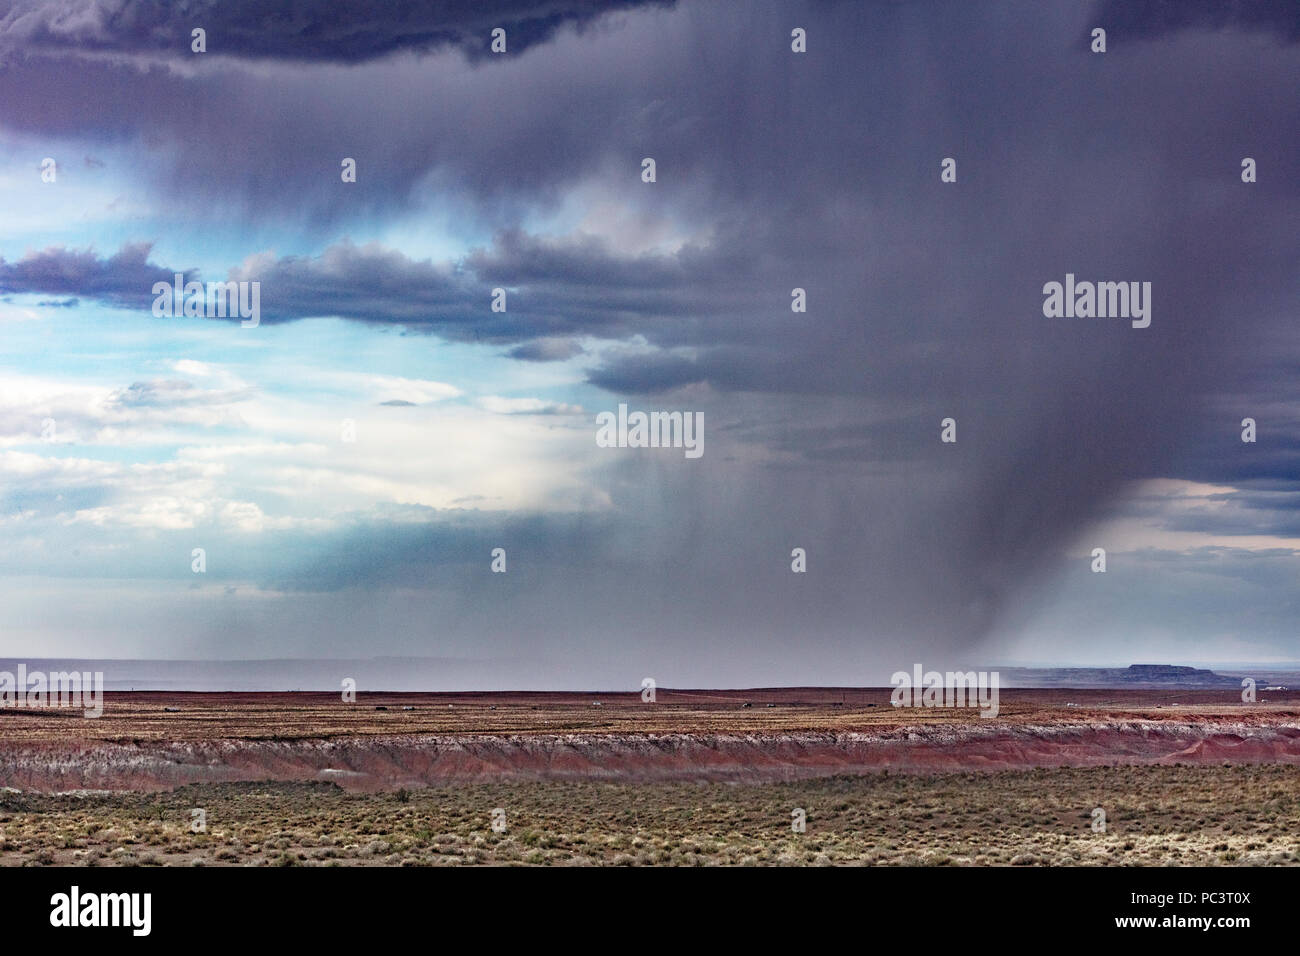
column 788, row 776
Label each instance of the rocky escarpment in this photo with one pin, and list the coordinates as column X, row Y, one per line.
column 381, row 762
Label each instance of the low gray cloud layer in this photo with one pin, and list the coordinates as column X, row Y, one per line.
column 316, row 30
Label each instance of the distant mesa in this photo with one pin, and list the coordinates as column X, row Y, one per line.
column 1135, row 675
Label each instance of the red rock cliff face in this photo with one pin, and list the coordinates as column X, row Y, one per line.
column 371, row 763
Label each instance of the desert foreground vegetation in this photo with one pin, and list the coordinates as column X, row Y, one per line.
column 1154, row 815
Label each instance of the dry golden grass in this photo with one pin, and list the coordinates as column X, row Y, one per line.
column 1157, row 815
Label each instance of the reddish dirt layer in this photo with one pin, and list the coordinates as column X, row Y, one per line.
column 161, row 741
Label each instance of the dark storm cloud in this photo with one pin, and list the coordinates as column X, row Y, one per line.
column 309, row 30
column 123, row 279
column 646, row 375
column 366, row 283
column 488, row 142
column 1150, row 19
column 559, row 289
column 818, row 171
column 1271, row 515
column 546, row 350
column 518, row 259
column 1220, row 456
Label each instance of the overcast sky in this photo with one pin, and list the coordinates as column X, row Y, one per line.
column 128, row 440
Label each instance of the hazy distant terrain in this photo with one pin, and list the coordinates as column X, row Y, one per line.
column 411, row 674
column 1137, row 676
